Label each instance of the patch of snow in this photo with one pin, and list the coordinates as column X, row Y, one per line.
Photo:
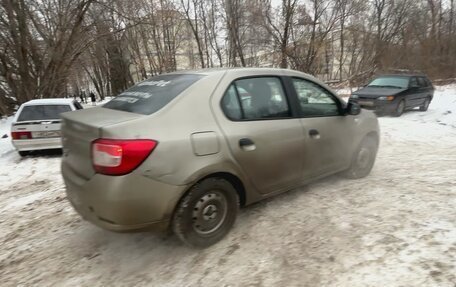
column 436, row 125
column 18, row 202
column 5, row 142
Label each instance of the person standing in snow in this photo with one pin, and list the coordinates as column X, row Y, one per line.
column 93, row 99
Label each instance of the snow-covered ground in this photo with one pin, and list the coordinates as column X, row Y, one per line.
column 396, row 227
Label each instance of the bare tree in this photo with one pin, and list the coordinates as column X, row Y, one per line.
column 191, row 9
column 280, row 27
column 40, row 43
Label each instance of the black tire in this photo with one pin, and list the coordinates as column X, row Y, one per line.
column 424, row 107
column 23, row 153
column 363, row 159
column 206, row 213
column 400, row 108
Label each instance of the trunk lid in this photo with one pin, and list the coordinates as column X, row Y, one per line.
column 79, row 129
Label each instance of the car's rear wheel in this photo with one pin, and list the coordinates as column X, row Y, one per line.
column 400, row 108
column 424, row 107
column 363, row 159
column 23, row 153
column 206, row 213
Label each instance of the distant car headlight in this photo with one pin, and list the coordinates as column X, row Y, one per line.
column 354, row 96
column 386, row 98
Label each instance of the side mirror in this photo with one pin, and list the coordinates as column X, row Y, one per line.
column 353, row 108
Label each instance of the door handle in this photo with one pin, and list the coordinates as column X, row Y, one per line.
column 247, row 144
column 313, row 133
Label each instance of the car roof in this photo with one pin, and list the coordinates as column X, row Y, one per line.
column 211, row 71
column 402, row 75
column 253, row 71
column 52, row 101
column 257, row 70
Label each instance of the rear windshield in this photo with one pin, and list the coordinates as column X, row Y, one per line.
column 42, row 112
column 390, row 82
column 153, row 94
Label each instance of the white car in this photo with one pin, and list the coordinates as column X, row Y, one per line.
column 36, row 125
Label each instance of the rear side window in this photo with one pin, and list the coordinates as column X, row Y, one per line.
column 255, row 99
column 230, row 104
column 153, row 94
column 42, row 112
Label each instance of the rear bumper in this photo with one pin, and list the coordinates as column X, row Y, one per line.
column 122, row 203
column 37, row 144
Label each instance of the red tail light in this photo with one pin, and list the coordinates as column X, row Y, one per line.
column 21, row 135
column 119, row 157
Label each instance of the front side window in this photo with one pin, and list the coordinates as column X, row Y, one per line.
column 413, row 82
column 256, row 98
column 422, row 82
column 314, row 101
column 428, row 82
column 42, row 112
column 151, row 95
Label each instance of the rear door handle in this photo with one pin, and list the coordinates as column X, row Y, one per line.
column 313, row 133
column 245, row 142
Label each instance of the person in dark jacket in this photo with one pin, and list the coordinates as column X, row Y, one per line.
column 93, row 99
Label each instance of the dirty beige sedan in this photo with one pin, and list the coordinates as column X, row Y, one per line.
column 186, row 150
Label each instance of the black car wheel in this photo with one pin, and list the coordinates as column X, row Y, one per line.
column 363, row 159
column 206, row 213
column 400, row 108
column 424, row 107
column 23, row 153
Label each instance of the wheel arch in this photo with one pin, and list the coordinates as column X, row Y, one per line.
column 373, row 135
column 234, row 180
column 230, row 177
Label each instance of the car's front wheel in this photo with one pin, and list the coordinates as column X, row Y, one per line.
column 424, row 107
column 206, row 213
column 400, row 108
column 363, row 159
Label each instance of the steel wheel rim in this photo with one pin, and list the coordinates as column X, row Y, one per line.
column 400, row 108
column 363, row 158
column 209, row 212
column 426, row 104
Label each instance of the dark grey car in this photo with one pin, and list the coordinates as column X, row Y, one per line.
column 393, row 94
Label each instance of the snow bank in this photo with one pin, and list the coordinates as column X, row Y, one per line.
column 5, row 129
column 438, row 124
